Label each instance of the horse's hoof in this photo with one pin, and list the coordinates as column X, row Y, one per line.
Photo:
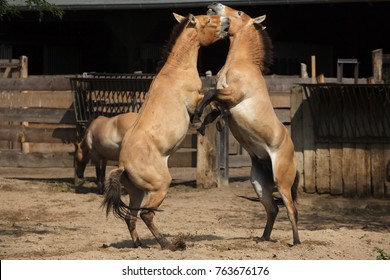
column 80, row 181
column 259, row 239
column 140, row 245
column 296, row 242
column 196, row 124
column 201, row 130
column 263, row 239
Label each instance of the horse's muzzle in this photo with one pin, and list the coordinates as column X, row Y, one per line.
column 225, row 24
column 215, row 9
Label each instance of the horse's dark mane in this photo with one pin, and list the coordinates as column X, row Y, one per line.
column 166, row 50
column 268, row 50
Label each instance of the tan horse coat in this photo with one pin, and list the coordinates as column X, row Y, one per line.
column 161, row 126
column 101, row 142
column 242, row 90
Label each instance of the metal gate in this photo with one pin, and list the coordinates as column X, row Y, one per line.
column 100, row 94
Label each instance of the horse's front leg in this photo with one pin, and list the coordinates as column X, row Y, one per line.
column 208, row 97
column 212, row 116
column 103, row 175
column 99, row 176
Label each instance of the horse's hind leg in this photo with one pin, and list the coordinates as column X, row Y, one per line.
column 151, row 202
column 135, row 200
column 112, row 201
column 286, row 177
column 262, row 181
column 131, row 222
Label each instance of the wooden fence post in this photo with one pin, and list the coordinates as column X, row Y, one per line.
column 206, row 159
column 313, row 69
column 212, row 168
column 223, row 156
column 23, row 66
column 23, row 73
column 377, row 65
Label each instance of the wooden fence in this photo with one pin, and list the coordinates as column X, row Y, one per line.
column 356, row 166
column 38, row 124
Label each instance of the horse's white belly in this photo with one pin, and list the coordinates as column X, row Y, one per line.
column 246, row 127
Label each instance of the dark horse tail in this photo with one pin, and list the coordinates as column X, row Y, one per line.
column 112, row 197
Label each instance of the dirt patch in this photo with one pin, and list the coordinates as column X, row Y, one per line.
column 44, row 216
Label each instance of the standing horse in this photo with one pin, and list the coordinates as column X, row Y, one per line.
column 101, row 142
column 161, row 126
column 241, row 89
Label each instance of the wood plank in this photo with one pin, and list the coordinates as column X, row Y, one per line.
column 190, row 141
column 377, row 170
column 234, row 146
column 47, row 99
column 7, row 72
column 297, row 130
column 308, row 147
column 283, row 115
column 40, row 115
column 349, row 170
column 10, row 132
column 51, row 148
column 322, row 168
column 24, row 134
column 349, row 151
column 240, row 161
column 183, row 158
column 387, row 170
column 49, row 135
column 280, row 99
column 36, row 83
column 9, row 62
column 336, row 171
column 363, row 173
column 32, row 160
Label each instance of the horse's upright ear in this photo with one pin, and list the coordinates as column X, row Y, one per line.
column 178, row 17
column 192, row 18
column 259, row 19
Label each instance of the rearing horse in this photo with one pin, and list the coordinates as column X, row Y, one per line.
column 241, row 89
column 161, row 126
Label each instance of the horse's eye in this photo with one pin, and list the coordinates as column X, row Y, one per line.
column 209, row 21
column 239, row 13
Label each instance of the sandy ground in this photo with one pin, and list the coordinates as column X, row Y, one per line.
column 44, row 216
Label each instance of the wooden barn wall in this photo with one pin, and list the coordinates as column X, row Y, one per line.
column 348, row 169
